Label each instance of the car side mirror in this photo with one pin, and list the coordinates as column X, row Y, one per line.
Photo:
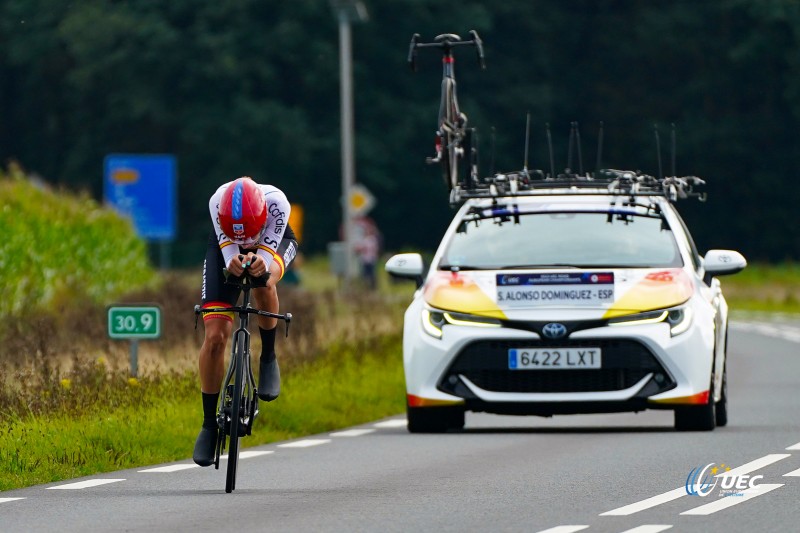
column 406, row 266
column 722, row 262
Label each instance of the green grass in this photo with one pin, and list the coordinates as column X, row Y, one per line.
column 765, row 288
column 348, row 385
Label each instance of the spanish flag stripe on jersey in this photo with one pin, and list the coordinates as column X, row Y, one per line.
column 278, row 259
column 225, row 315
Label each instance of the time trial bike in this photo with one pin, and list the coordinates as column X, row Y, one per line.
column 238, row 403
column 453, row 138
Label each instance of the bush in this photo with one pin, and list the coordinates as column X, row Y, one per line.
column 61, row 247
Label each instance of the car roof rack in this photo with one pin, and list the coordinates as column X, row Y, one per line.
column 606, row 181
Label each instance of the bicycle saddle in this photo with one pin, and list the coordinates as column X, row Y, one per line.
column 452, row 37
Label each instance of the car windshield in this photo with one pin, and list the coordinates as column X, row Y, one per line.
column 563, row 240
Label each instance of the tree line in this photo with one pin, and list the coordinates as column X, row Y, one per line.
column 251, row 87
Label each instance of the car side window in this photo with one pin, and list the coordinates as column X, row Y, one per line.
column 695, row 255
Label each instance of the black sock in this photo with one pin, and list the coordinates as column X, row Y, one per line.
column 267, row 344
column 210, row 410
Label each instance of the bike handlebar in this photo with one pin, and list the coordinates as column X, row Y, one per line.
column 246, row 281
column 446, row 42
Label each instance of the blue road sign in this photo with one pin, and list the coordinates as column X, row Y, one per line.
column 143, row 187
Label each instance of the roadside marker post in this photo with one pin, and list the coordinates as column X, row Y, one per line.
column 134, row 322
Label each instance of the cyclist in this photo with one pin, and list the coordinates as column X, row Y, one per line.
column 250, row 220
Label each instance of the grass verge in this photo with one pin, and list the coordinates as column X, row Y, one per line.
column 764, row 288
column 347, row 385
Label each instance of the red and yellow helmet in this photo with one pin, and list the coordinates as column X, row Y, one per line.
column 243, row 211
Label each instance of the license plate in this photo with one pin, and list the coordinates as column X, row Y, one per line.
column 554, row 358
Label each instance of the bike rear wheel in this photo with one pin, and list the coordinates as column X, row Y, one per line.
column 450, row 161
column 236, row 405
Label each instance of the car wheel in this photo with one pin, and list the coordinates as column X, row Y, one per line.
column 722, row 404
column 697, row 417
column 434, row 419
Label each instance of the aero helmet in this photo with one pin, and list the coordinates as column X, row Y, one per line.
column 243, row 211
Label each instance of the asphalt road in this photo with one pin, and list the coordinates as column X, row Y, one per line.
column 600, row 473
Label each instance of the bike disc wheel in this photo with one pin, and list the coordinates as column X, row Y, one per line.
column 236, row 403
column 449, row 161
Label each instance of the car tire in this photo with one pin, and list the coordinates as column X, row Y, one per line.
column 698, row 417
column 434, row 419
column 721, row 411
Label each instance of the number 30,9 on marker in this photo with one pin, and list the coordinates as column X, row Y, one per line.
column 126, row 322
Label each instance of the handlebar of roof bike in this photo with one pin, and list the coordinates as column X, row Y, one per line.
column 446, row 42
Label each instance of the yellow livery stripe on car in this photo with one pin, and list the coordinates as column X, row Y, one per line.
column 657, row 290
column 454, row 291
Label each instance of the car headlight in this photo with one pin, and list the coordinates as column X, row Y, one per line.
column 678, row 318
column 433, row 320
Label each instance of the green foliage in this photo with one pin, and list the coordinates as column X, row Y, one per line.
column 347, row 385
column 62, row 247
column 251, row 87
column 764, row 287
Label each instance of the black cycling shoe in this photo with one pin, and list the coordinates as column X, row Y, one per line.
column 205, row 448
column 269, row 380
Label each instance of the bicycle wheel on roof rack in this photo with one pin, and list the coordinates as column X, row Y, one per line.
column 450, row 160
column 470, row 146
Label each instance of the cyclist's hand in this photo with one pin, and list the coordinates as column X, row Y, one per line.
column 236, row 267
column 257, row 265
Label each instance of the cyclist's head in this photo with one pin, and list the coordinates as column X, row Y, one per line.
column 243, row 212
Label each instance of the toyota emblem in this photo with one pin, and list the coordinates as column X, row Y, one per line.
column 554, row 330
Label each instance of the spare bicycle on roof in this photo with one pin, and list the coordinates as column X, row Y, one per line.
column 453, row 139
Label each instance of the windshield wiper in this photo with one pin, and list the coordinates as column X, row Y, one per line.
column 463, row 267
column 549, row 265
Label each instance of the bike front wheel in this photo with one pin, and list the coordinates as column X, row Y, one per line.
column 236, row 406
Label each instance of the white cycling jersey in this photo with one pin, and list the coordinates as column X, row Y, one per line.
column 278, row 210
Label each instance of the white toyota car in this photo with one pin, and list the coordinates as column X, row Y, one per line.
column 563, row 300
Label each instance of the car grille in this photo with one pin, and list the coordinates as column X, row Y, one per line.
column 485, row 363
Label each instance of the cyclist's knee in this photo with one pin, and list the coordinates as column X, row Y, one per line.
column 217, row 333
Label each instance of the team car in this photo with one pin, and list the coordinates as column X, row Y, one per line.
column 565, row 297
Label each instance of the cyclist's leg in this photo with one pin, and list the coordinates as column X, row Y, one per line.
column 266, row 298
column 218, row 328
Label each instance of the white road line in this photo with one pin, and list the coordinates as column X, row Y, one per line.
column 304, row 443
column 647, row 504
column 85, row 484
column 254, row 453
column 563, row 529
column 730, row 501
column 677, row 493
column 793, row 473
column 792, row 336
column 794, row 447
column 755, row 465
column 170, row 468
column 648, row 528
column 248, row 455
column 4, row 500
column 394, row 423
column 783, row 331
column 352, row 433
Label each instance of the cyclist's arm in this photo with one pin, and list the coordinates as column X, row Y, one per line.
column 229, row 248
column 278, row 210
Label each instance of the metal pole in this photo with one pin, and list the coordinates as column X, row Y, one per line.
column 348, row 159
column 134, row 358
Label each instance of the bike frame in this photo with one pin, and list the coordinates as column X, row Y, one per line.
column 238, row 403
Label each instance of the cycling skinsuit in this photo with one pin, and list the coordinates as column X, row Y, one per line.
column 276, row 243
